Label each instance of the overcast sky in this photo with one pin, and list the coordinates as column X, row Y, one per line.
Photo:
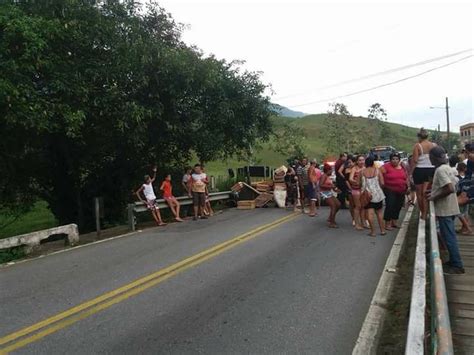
column 301, row 47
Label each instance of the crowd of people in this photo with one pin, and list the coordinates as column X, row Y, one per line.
column 373, row 191
column 361, row 184
column 376, row 191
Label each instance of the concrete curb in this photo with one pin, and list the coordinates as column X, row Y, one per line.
column 371, row 330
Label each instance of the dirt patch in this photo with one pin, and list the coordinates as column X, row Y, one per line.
column 395, row 328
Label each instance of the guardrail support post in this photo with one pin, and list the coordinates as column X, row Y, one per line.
column 97, row 215
column 131, row 217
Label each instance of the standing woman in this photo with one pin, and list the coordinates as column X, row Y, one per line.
column 346, row 171
column 372, row 181
column 395, row 187
column 355, row 182
column 423, row 170
column 326, row 187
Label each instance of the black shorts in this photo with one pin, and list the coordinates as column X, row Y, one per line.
column 422, row 175
column 310, row 192
column 374, row 205
column 199, row 198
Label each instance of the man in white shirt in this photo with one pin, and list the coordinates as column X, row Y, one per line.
column 443, row 193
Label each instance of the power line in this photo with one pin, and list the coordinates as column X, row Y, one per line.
column 369, row 76
column 386, row 84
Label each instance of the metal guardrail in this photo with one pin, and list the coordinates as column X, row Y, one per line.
column 416, row 323
column 139, row 207
column 441, row 337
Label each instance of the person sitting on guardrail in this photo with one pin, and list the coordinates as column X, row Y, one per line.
column 443, row 194
column 167, row 189
column 150, row 197
column 197, row 190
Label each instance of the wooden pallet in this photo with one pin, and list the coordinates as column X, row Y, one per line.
column 246, row 205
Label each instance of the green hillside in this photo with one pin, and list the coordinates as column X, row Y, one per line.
column 400, row 136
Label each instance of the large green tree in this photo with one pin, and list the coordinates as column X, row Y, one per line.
column 92, row 93
column 336, row 136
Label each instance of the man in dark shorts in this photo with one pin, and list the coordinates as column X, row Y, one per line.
column 197, row 190
column 340, row 180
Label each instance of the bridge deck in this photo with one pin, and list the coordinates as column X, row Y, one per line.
column 460, row 289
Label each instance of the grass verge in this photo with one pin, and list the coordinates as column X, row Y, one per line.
column 395, row 327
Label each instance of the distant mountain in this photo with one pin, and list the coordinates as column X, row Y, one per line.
column 286, row 112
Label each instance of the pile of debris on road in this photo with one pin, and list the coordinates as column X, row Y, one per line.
column 262, row 193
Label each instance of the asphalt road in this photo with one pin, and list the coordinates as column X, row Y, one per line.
column 297, row 288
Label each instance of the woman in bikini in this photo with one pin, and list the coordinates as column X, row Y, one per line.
column 345, row 170
column 355, row 183
column 328, row 195
column 423, row 170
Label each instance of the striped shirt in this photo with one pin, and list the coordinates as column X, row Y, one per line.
column 302, row 173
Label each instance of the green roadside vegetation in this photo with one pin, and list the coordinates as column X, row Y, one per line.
column 38, row 218
column 394, row 332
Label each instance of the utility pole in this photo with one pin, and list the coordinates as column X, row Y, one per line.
column 447, row 123
column 447, row 126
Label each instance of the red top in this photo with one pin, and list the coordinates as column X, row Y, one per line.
column 395, row 179
column 167, row 189
column 327, row 184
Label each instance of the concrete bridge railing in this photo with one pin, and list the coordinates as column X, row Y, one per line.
column 32, row 240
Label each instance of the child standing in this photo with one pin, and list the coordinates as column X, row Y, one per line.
column 150, row 197
column 167, row 189
column 463, row 208
column 443, row 194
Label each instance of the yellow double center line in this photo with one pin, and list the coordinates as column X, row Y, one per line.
column 64, row 319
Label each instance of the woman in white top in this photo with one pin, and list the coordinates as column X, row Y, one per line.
column 372, row 181
column 150, row 197
column 422, row 169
